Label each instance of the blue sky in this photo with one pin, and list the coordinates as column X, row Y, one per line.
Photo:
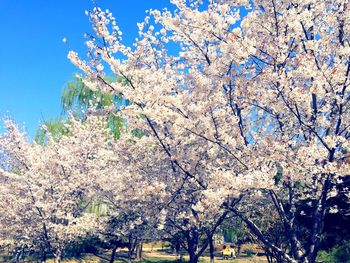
column 33, row 59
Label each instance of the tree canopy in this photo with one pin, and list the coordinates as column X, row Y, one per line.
column 215, row 114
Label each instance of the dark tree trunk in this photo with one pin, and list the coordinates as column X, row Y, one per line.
column 43, row 257
column 211, row 249
column 17, row 258
column 114, row 250
column 269, row 258
column 318, row 223
column 131, row 247
column 193, row 258
column 58, row 255
column 192, row 240
column 256, row 231
column 177, row 248
column 139, row 251
column 239, row 250
column 129, row 255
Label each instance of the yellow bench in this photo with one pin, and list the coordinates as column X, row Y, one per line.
column 228, row 252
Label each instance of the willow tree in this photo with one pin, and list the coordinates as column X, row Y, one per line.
column 78, row 100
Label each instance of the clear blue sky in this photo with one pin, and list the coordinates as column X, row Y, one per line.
column 33, row 59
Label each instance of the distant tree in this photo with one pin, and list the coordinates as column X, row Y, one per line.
column 77, row 99
column 41, row 196
column 56, row 128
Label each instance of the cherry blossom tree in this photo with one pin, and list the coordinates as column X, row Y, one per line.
column 146, row 197
column 46, row 188
column 128, row 193
column 249, row 104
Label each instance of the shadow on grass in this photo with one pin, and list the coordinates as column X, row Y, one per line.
column 161, row 260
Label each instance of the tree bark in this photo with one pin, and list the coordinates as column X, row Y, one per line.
column 18, row 257
column 129, row 255
column 131, row 247
column 256, row 231
column 177, row 248
column 211, row 249
column 318, row 222
column 43, row 257
column 58, row 255
column 239, row 246
column 193, row 258
column 287, row 218
column 139, row 251
column 113, row 254
column 193, row 245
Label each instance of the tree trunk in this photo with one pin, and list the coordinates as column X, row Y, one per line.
column 177, row 249
column 256, row 231
column 131, row 247
column 192, row 241
column 113, row 254
column 192, row 249
column 129, row 255
column 43, row 257
column 181, row 257
column 269, row 258
column 58, row 255
column 139, row 251
column 211, row 249
column 193, row 258
column 318, row 221
column 130, row 251
column 19, row 255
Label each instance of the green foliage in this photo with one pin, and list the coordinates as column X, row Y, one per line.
column 77, row 97
column 81, row 246
column 279, row 174
column 249, row 252
column 6, row 258
column 56, row 128
column 298, row 184
column 97, row 208
column 232, row 235
column 324, row 256
column 340, row 253
column 138, row 133
column 116, row 124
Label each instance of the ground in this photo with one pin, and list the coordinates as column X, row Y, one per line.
column 161, row 257
column 160, row 252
